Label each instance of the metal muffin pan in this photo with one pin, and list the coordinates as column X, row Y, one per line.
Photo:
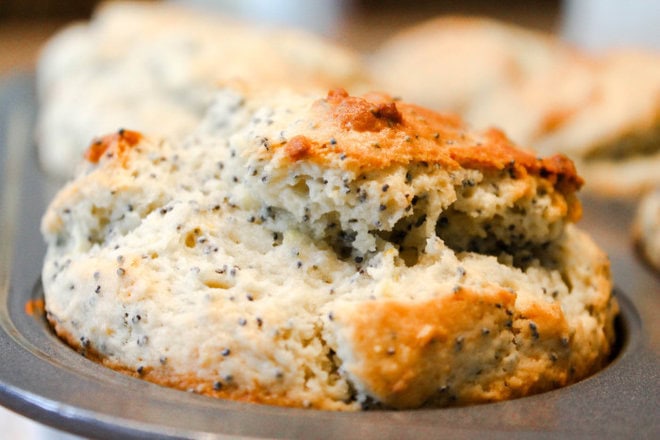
column 42, row 378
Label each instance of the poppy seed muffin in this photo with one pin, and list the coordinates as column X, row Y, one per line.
column 336, row 253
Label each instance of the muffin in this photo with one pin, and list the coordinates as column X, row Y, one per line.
column 154, row 66
column 646, row 228
column 334, row 252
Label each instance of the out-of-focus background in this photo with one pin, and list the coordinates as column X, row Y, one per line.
column 361, row 24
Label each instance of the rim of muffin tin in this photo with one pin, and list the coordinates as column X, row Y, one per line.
column 54, row 384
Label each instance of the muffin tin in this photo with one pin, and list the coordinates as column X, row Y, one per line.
column 42, row 378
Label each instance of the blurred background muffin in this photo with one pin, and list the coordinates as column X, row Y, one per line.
column 363, row 24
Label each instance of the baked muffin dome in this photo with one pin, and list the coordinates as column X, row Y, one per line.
column 333, row 252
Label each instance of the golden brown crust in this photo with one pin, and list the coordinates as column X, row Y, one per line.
column 297, row 147
column 115, row 144
column 393, row 132
column 371, row 114
column 34, row 307
column 399, row 345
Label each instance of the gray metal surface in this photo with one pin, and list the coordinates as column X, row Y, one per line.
column 43, row 379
